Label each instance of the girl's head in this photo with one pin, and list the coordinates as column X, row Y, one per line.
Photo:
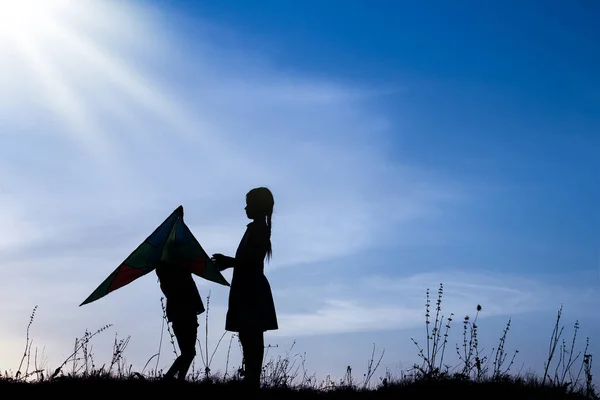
column 259, row 207
column 259, row 203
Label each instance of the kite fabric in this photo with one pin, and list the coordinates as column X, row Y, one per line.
column 171, row 242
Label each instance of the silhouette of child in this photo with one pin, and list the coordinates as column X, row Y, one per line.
column 183, row 307
column 251, row 309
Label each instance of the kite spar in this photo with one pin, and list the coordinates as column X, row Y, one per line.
column 171, row 242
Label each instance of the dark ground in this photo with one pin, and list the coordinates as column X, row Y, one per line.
column 140, row 388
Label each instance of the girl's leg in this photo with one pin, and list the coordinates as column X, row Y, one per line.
column 173, row 370
column 253, row 348
column 244, row 342
column 185, row 332
column 186, row 338
column 260, row 351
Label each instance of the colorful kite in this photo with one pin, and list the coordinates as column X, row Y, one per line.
column 172, row 242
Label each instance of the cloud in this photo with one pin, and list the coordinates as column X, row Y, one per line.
column 378, row 303
column 16, row 229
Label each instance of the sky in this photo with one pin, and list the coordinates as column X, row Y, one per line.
column 407, row 145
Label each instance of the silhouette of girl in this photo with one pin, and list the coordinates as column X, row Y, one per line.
column 184, row 304
column 251, row 308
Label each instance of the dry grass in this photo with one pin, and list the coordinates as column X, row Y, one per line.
column 567, row 370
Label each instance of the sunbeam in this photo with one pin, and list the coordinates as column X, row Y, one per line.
column 142, row 91
column 46, row 45
column 62, row 99
column 26, row 16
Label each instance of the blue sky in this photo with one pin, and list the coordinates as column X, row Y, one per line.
column 406, row 144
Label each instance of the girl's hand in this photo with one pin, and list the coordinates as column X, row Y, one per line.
column 220, row 261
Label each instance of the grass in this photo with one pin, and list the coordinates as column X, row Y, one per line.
column 567, row 372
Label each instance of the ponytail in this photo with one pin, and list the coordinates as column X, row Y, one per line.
column 269, row 247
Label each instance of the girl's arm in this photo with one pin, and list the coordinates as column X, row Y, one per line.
column 228, row 262
column 223, row 262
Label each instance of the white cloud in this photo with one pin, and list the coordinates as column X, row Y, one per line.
column 377, row 303
column 17, row 229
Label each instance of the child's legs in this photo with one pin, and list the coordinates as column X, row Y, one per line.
column 186, row 332
column 253, row 347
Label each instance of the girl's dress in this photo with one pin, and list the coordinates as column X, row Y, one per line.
column 251, row 305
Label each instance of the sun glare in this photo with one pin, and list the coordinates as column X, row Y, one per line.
column 20, row 17
column 49, row 49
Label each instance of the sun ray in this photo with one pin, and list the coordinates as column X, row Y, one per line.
column 101, row 99
column 62, row 99
column 42, row 28
column 142, row 91
column 18, row 17
column 42, row 70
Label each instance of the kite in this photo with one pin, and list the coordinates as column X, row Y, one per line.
column 171, row 242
